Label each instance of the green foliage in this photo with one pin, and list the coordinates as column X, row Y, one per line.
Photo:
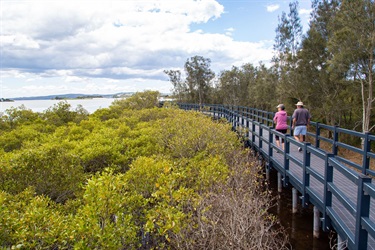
column 199, row 77
column 61, row 113
column 132, row 180
column 32, row 222
column 50, row 169
column 105, row 220
column 17, row 137
column 20, row 115
column 197, row 86
column 140, row 100
column 194, row 134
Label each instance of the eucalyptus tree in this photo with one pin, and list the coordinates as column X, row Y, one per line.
column 263, row 92
column 228, row 86
column 286, row 47
column 248, row 76
column 199, row 77
column 234, row 85
column 353, row 46
column 326, row 91
column 179, row 86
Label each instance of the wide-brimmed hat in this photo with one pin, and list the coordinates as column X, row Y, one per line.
column 280, row 106
column 299, row 104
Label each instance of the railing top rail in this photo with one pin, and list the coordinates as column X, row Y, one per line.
column 349, row 173
column 314, row 123
column 350, row 132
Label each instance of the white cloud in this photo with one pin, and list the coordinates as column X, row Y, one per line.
column 305, row 11
column 85, row 41
column 70, row 79
column 229, row 31
column 272, row 7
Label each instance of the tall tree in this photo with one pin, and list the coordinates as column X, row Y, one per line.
column 179, row 86
column 353, row 46
column 199, row 77
column 229, row 86
column 265, row 91
column 286, row 47
column 324, row 90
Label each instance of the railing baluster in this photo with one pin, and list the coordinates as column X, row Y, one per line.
column 363, row 210
column 335, row 140
column 366, row 149
column 317, row 134
column 327, row 196
column 305, row 176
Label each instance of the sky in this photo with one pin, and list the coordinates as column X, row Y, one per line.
column 52, row 47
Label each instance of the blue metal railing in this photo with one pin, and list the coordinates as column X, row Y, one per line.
column 339, row 187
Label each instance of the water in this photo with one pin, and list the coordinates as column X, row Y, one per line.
column 41, row 105
column 299, row 226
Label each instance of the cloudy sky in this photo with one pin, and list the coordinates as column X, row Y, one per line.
column 104, row 46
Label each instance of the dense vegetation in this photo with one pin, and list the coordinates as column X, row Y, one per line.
column 330, row 68
column 132, row 176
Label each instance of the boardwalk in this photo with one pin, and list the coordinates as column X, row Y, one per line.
column 342, row 190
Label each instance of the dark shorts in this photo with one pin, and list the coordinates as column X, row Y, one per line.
column 281, row 131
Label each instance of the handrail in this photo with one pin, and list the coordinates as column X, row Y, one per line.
column 316, row 180
column 265, row 117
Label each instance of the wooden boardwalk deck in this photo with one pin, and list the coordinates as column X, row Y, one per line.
column 341, row 192
column 348, row 190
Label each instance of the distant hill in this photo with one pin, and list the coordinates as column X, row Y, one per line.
column 76, row 96
column 70, row 96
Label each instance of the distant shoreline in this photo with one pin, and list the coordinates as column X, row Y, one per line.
column 77, row 96
column 6, row 100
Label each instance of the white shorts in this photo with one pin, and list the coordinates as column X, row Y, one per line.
column 300, row 130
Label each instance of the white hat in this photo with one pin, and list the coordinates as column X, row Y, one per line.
column 299, row 104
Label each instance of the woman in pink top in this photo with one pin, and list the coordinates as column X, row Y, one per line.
column 281, row 119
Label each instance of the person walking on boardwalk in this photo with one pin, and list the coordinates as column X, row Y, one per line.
column 280, row 119
column 301, row 120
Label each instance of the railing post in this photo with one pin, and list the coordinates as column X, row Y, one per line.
column 291, row 125
column 252, row 132
column 286, row 157
column 255, row 114
column 317, row 135
column 239, row 116
column 231, row 115
column 260, row 136
column 335, row 140
column 363, row 210
column 366, row 149
column 247, row 131
column 305, row 176
column 243, row 116
column 270, row 141
column 327, row 196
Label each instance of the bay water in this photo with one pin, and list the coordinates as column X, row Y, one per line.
column 91, row 105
